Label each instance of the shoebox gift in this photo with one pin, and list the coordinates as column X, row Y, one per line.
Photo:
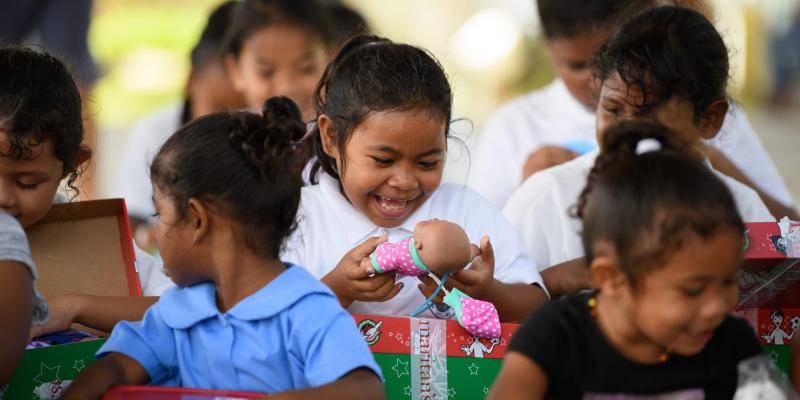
column 79, row 247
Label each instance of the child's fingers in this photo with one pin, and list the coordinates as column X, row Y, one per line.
column 393, row 291
column 382, row 292
column 367, row 247
column 487, row 251
column 428, row 286
column 368, row 285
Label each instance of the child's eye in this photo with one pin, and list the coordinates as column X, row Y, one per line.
column 429, row 164
column 154, row 215
column 692, row 292
column 266, row 74
column 612, row 110
column 382, row 161
column 27, row 186
column 307, row 69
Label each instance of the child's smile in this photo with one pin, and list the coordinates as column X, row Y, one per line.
column 393, row 163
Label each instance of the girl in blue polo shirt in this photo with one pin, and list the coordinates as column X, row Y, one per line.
column 226, row 190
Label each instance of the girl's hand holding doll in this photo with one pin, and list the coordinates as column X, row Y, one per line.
column 350, row 281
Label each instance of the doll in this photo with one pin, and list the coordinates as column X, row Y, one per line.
column 438, row 248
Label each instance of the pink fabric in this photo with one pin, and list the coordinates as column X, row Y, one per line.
column 480, row 318
column 397, row 256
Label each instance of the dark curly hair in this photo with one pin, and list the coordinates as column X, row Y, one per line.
column 372, row 74
column 40, row 102
column 665, row 52
column 245, row 165
column 646, row 204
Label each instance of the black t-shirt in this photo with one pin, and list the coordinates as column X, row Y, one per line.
column 566, row 342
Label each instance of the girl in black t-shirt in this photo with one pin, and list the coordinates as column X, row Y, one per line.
column 663, row 240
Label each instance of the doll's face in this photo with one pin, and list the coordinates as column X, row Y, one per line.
column 443, row 246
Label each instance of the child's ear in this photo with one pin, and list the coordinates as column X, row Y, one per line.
column 327, row 134
column 233, row 73
column 84, row 155
column 713, row 117
column 605, row 270
column 197, row 215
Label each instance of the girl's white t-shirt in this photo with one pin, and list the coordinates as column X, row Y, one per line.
column 329, row 227
column 150, row 269
column 552, row 116
column 540, row 210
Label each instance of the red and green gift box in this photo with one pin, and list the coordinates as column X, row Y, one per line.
column 770, row 286
column 431, row 358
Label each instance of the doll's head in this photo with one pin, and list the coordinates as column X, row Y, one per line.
column 443, row 246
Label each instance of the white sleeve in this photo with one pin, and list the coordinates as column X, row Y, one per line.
column 151, row 273
column 740, row 143
column 536, row 215
column 132, row 180
column 494, row 171
column 513, row 264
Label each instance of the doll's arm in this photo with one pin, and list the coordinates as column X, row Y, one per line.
column 360, row 383
column 96, row 312
column 114, row 369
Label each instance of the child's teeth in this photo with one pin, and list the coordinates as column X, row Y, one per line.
column 392, row 204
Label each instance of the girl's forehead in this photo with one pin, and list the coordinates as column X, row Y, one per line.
column 413, row 127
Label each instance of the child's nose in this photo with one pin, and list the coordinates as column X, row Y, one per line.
column 8, row 200
column 403, row 179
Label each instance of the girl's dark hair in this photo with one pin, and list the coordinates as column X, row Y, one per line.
column 666, row 52
column 39, row 101
column 372, row 74
column 570, row 18
column 249, row 16
column 648, row 205
column 242, row 164
column 210, row 47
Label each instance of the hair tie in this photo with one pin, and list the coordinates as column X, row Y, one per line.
column 648, row 145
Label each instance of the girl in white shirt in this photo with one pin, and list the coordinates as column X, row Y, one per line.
column 655, row 68
column 380, row 142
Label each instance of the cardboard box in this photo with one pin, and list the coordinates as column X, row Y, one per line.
column 770, row 286
column 126, row 392
column 433, row 359
column 81, row 247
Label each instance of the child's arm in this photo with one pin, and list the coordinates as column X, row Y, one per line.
column 722, row 164
column 568, row 277
column 514, row 301
column 96, row 312
column 520, row 378
column 114, row 369
column 358, row 384
column 16, row 311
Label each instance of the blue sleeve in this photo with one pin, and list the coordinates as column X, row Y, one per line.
column 326, row 339
column 150, row 342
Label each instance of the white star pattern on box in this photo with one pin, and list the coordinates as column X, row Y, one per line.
column 773, row 356
column 400, row 368
column 473, row 369
column 485, row 390
column 451, row 393
column 407, row 391
column 79, row 365
column 45, row 370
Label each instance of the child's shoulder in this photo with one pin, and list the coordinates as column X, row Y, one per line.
column 537, row 103
column 736, row 338
column 565, row 180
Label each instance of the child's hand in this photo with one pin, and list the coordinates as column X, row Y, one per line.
column 477, row 281
column 351, row 281
column 62, row 315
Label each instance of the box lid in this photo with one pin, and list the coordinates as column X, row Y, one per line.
column 85, row 247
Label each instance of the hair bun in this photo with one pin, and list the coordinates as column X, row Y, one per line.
column 283, row 120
